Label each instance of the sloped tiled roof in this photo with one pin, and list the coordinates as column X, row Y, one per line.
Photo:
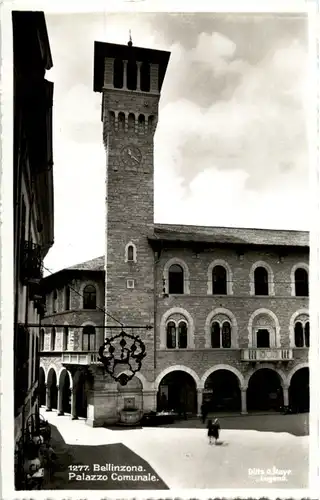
column 96, row 264
column 230, row 235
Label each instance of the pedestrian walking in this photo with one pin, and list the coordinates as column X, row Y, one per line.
column 213, row 430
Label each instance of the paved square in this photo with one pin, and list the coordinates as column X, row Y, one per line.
column 182, row 457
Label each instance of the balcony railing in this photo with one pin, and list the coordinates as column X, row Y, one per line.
column 266, row 354
column 31, row 262
column 80, row 358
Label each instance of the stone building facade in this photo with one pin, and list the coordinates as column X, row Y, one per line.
column 228, row 308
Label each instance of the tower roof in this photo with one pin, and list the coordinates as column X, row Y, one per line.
column 125, row 53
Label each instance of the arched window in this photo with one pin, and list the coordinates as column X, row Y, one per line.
column 171, row 335
column 182, row 335
column 65, row 338
column 132, row 75
column 177, row 335
column 302, row 333
column 130, row 253
column 145, row 77
column 220, row 334
column 151, row 122
column 298, row 334
column 219, row 280
column 41, row 339
column 118, row 74
column 89, row 297
column 131, row 122
column 261, row 286
column 89, row 338
column 54, row 301
column 53, row 339
column 141, row 124
column 301, row 283
column 121, row 121
column 67, row 298
column 176, row 279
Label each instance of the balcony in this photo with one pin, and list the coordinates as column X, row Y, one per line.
column 80, row 358
column 266, row 354
column 31, row 263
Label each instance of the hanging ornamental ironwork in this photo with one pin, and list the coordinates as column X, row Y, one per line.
column 122, row 350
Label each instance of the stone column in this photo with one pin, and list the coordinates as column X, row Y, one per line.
column 244, row 400
column 199, row 401
column 60, row 401
column 74, row 415
column 149, row 400
column 285, row 389
column 48, row 398
column 154, row 70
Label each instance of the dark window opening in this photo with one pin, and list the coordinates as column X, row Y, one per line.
column 182, row 335
column 307, row 334
column 263, row 339
column 226, row 335
column 261, row 286
column 301, row 283
column 118, row 74
column 89, row 338
column 130, row 253
column 54, row 301
column 53, row 338
column 176, row 279
column 65, row 338
column 171, row 335
column 141, row 124
column 131, row 122
column 89, row 297
column 215, row 335
column 67, row 298
column 151, row 122
column 132, row 75
column 219, row 280
column 41, row 339
column 121, row 121
column 145, row 77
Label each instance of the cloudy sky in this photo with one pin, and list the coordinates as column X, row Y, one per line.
column 230, row 148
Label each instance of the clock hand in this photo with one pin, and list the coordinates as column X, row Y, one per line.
column 132, row 156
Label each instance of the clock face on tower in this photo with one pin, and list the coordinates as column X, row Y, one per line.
column 131, row 155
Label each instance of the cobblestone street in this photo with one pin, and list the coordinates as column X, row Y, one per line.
column 176, row 457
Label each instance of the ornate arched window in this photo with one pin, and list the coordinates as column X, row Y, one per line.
column 177, row 334
column 89, row 338
column 118, row 74
column 302, row 331
column 89, row 297
column 219, row 280
column 53, row 339
column 261, row 282
column 301, row 281
column 220, row 333
column 41, row 339
column 65, row 338
column 264, row 329
column 176, row 279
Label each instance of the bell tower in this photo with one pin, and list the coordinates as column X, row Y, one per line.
column 130, row 80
